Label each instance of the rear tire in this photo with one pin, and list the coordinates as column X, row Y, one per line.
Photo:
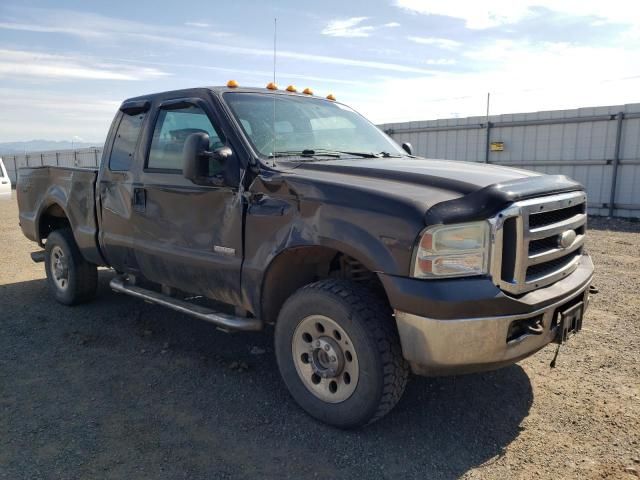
column 71, row 279
column 339, row 353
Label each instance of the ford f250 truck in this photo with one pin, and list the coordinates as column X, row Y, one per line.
column 249, row 207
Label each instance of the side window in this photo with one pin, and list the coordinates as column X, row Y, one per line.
column 125, row 142
column 171, row 131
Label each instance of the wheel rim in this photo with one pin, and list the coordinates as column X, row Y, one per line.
column 325, row 359
column 59, row 268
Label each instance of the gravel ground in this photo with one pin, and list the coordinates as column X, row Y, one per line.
column 122, row 389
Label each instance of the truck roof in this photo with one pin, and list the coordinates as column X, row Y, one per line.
column 216, row 89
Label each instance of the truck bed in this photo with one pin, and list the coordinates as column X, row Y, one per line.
column 48, row 194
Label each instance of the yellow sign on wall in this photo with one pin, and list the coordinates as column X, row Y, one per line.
column 497, row 146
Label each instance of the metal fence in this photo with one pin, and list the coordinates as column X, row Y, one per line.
column 84, row 157
column 599, row 147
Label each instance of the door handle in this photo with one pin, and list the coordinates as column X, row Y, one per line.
column 139, row 199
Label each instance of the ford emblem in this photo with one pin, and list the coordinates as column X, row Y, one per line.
column 567, row 238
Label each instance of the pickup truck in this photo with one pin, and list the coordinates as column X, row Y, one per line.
column 5, row 182
column 249, row 207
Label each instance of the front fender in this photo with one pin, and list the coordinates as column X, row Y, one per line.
column 277, row 225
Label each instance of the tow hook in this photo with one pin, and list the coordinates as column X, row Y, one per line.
column 536, row 328
column 593, row 289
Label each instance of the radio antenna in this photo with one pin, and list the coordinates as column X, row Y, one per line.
column 275, row 30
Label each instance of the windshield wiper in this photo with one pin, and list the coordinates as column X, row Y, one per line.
column 322, row 152
column 307, row 152
column 388, row 155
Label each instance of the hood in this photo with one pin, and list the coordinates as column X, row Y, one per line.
column 455, row 176
column 450, row 191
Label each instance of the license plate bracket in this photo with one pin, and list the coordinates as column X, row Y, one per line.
column 569, row 322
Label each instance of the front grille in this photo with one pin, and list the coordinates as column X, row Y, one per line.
column 541, row 269
column 554, row 216
column 538, row 246
column 538, row 241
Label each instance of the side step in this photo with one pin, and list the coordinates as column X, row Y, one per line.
column 38, row 257
column 222, row 320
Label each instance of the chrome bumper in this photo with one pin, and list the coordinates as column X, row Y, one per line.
column 449, row 347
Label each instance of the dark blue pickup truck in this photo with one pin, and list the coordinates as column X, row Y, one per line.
column 249, row 207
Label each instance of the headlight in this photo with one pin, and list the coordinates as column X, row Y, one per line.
column 452, row 251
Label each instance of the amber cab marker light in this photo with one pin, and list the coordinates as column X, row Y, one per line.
column 232, row 84
column 307, row 91
column 331, row 97
column 272, row 86
column 292, row 88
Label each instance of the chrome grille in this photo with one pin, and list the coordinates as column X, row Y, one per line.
column 526, row 241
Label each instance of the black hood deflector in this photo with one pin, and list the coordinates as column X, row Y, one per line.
column 488, row 201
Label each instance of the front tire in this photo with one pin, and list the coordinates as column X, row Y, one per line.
column 339, row 353
column 71, row 279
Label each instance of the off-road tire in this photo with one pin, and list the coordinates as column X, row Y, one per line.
column 82, row 275
column 367, row 319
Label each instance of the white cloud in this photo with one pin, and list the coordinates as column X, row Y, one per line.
column 59, row 116
column 353, row 27
column 301, row 56
column 521, row 76
column 18, row 63
column 350, row 27
column 67, row 29
column 440, row 61
column 94, row 26
column 263, row 75
column 103, row 26
column 438, row 42
column 491, row 13
column 197, row 24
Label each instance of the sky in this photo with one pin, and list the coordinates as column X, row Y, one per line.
column 65, row 66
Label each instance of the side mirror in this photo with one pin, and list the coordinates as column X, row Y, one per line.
column 196, row 159
column 406, row 146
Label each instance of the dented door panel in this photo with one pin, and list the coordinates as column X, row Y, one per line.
column 189, row 236
column 115, row 193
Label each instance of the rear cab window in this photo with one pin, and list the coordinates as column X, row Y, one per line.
column 125, row 142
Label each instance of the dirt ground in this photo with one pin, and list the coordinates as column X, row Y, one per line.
column 122, row 389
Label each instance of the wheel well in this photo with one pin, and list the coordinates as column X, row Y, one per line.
column 53, row 218
column 300, row 266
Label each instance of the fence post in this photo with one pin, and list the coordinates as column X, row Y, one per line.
column 488, row 143
column 57, row 159
column 15, row 169
column 616, row 162
column 75, row 158
column 95, row 156
column 42, row 159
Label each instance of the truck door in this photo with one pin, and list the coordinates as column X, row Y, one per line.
column 187, row 236
column 115, row 187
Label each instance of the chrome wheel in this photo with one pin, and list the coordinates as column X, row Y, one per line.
column 59, row 268
column 325, row 359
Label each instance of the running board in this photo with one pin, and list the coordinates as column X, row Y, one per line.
column 38, row 257
column 222, row 320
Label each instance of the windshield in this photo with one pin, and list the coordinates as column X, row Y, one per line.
column 306, row 125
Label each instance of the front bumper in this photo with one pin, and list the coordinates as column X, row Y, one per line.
column 463, row 343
